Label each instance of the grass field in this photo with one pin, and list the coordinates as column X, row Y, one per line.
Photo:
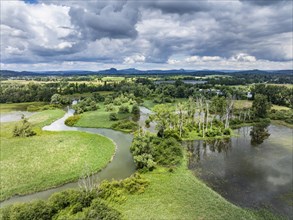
column 98, row 119
column 49, row 158
column 19, row 106
column 286, row 85
column 239, row 104
column 113, row 78
column 180, row 195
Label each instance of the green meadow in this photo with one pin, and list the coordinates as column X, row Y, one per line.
column 48, row 159
column 181, row 195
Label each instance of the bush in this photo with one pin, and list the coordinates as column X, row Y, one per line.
column 87, row 104
column 123, row 109
column 227, row 131
column 135, row 110
column 285, row 115
column 110, row 107
column 149, row 150
column 70, row 204
column 24, row 129
column 99, row 210
column 213, row 132
column 28, row 211
column 113, row 116
column 70, row 121
column 115, row 190
column 147, row 123
column 125, row 125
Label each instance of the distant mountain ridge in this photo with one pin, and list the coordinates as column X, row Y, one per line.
column 133, row 71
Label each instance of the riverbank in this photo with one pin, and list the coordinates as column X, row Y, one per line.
column 283, row 123
column 100, row 118
column 181, row 195
column 50, row 158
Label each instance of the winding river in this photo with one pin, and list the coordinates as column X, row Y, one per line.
column 252, row 170
column 122, row 165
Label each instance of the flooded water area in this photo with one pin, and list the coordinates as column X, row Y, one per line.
column 252, row 170
column 14, row 116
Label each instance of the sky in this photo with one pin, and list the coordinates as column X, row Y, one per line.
column 40, row 35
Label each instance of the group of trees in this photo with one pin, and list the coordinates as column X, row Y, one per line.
column 31, row 92
column 206, row 118
column 149, row 150
column 278, row 95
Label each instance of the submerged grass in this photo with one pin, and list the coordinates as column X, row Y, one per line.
column 50, row 158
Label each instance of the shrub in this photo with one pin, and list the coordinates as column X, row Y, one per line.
column 28, row 211
column 172, row 134
column 69, row 204
column 227, row 131
column 125, row 125
column 115, row 190
column 123, row 109
column 213, row 132
column 110, row 107
column 70, row 121
column 99, row 210
column 135, row 110
column 24, row 129
column 113, row 116
column 147, row 123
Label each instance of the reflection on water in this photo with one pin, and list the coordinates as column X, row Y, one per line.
column 144, row 115
column 247, row 175
column 258, row 134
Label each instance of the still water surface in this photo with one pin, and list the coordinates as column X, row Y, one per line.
column 252, row 170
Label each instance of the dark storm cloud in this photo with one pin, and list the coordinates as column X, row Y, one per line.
column 180, row 7
column 264, row 2
column 112, row 21
column 152, row 31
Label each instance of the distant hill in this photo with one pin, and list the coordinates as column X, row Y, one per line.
column 133, row 71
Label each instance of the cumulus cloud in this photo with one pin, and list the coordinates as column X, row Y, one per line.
column 242, row 57
column 134, row 59
column 147, row 33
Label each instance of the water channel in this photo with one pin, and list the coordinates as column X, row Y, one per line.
column 120, row 167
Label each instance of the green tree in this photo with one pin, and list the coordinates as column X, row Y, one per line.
column 135, row 110
column 261, row 106
column 56, row 99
